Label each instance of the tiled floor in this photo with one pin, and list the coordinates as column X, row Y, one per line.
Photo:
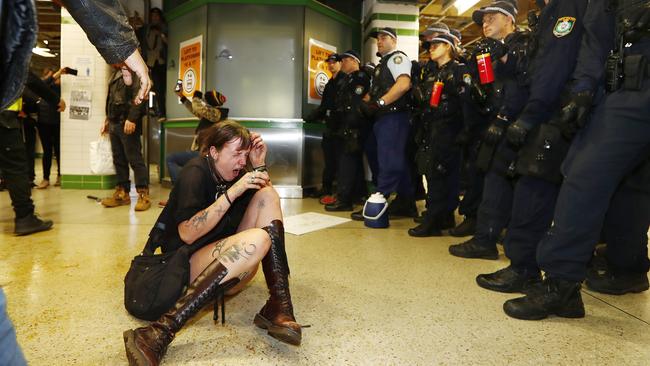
column 372, row 297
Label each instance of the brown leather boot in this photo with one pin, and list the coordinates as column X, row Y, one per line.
column 277, row 314
column 147, row 345
column 144, row 202
column 120, row 197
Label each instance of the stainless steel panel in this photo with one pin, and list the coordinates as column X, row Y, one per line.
column 313, row 159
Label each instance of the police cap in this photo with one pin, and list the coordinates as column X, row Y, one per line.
column 507, row 8
column 351, row 54
column 386, row 30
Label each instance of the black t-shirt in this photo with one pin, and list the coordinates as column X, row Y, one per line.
column 195, row 190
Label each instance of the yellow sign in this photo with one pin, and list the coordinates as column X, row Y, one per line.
column 317, row 67
column 191, row 60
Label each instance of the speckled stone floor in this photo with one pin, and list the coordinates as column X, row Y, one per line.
column 372, row 297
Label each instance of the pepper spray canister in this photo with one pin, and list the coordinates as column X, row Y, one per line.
column 485, row 71
column 436, row 92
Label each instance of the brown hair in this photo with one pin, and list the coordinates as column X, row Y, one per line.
column 221, row 133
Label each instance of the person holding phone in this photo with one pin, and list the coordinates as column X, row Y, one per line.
column 237, row 212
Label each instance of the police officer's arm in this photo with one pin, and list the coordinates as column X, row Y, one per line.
column 554, row 62
column 400, row 67
column 401, row 86
column 598, row 39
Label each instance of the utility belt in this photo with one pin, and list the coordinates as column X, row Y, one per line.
column 9, row 119
column 626, row 72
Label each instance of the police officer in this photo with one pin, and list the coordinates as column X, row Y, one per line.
column 389, row 99
column 355, row 85
column 13, row 160
column 441, row 99
column 616, row 140
column 330, row 142
column 507, row 96
column 542, row 145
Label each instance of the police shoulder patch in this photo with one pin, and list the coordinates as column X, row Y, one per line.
column 564, row 26
column 398, row 60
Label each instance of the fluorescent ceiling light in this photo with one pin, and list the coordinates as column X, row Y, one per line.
column 464, row 5
column 45, row 52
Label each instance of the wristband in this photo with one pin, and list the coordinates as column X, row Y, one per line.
column 225, row 193
column 261, row 168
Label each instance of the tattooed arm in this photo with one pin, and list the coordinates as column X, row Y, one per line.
column 203, row 221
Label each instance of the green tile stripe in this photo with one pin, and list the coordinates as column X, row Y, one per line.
column 312, row 4
column 391, row 17
column 72, row 181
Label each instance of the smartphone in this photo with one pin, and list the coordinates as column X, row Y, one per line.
column 179, row 85
column 71, row 71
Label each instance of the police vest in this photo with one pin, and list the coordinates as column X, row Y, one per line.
column 355, row 85
column 383, row 81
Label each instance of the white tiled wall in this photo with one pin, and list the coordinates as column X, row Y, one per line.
column 406, row 44
column 76, row 135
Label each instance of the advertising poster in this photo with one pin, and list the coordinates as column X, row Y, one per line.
column 190, row 55
column 80, row 103
column 317, row 67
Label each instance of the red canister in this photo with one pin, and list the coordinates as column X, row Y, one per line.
column 485, row 71
column 436, row 92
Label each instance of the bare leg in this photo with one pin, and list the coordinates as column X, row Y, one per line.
column 240, row 253
column 263, row 208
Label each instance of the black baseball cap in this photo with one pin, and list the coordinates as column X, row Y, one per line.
column 386, row 30
column 441, row 38
column 335, row 57
column 352, row 54
column 504, row 7
column 435, row 28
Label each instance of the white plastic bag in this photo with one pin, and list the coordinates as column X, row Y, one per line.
column 101, row 156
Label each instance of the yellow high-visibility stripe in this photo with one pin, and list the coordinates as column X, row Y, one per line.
column 17, row 106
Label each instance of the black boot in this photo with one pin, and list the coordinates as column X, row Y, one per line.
column 447, row 221
column 429, row 227
column 509, row 280
column 613, row 283
column 466, row 228
column 339, row 206
column 472, row 249
column 31, row 224
column 146, row 346
column 277, row 314
column 402, row 207
column 551, row 297
column 357, row 215
column 420, row 219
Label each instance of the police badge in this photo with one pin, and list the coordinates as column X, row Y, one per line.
column 564, row 26
column 358, row 90
column 398, row 60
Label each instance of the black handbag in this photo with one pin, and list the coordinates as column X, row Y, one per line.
column 155, row 282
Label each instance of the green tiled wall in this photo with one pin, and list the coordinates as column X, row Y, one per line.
column 69, row 181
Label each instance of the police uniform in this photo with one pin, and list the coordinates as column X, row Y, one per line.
column 614, row 142
column 438, row 156
column 507, row 95
column 387, row 147
column 330, row 142
column 559, row 34
column 13, row 160
column 352, row 122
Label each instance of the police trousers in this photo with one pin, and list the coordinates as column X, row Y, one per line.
column 473, row 180
column 615, row 141
column 531, row 215
column 391, row 132
column 14, row 167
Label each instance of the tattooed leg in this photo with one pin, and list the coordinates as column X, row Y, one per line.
column 240, row 253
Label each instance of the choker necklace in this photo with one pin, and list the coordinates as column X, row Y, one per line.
column 220, row 183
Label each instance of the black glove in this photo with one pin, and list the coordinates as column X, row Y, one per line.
column 575, row 114
column 517, row 132
column 495, row 48
column 638, row 24
column 369, row 109
column 496, row 130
